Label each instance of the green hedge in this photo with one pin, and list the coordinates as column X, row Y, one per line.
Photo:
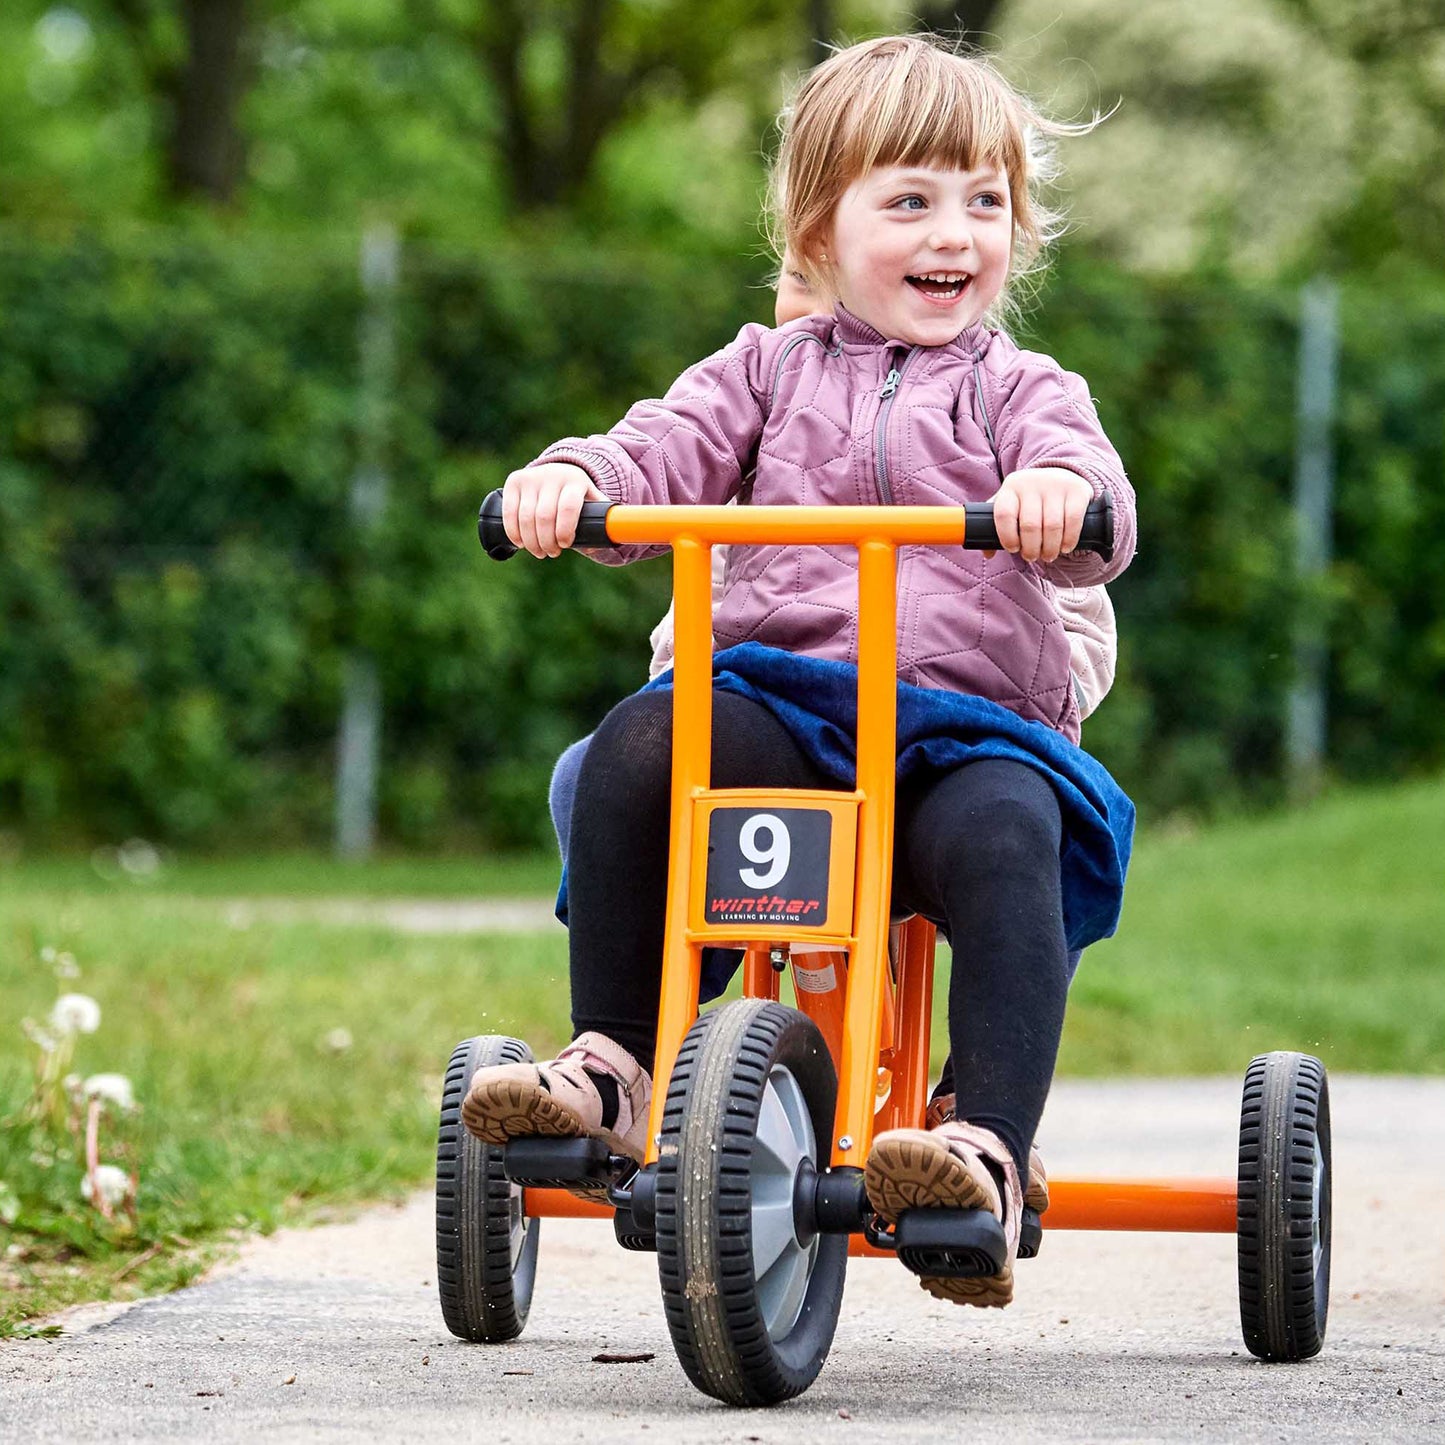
column 180, row 580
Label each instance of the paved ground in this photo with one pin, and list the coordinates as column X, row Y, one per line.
column 334, row 1334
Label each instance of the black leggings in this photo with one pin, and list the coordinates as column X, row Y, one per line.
column 976, row 851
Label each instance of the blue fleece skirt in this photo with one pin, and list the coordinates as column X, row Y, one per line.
column 938, row 731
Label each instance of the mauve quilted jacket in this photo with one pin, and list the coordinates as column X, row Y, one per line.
column 826, row 411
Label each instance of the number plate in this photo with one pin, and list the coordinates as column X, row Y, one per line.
column 768, row 865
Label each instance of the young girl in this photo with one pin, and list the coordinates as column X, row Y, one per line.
column 905, row 181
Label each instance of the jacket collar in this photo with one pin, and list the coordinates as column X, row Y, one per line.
column 856, row 333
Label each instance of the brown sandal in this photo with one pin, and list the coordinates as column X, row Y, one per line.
column 948, row 1168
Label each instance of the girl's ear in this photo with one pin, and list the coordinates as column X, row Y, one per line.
column 820, row 261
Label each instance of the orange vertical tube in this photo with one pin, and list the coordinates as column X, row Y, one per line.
column 915, row 1001
column 760, row 978
column 877, row 768
column 691, row 770
column 820, row 981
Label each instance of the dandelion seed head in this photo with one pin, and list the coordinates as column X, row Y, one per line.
column 112, row 1089
column 47, row 954
column 75, row 1013
column 42, row 1038
column 111, row 1183
column 338, row 1040
column 66, row 966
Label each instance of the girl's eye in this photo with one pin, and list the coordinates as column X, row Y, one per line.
column 911, row 203
column 993, row 200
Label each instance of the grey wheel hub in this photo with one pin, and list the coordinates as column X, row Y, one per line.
column 785, row 1146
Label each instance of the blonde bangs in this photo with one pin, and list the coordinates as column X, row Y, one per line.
column 933, row 109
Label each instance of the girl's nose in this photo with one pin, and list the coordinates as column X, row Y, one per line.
column 951, row 233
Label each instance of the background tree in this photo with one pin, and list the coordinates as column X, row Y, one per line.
column 197, row 58
column 566, row 75
column 1250, row 136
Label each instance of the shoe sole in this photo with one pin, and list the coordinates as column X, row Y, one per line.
column 913, row 1174
column 510, row 1109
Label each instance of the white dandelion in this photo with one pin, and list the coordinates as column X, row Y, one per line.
column 337, row 1040
column 111, row 1183
column 43, row 1039
column 112, row 1088
column 75, row 1013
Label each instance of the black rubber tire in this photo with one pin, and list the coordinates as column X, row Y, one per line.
column 483, row 1278
column 1284, row 1206
column 704, row 1203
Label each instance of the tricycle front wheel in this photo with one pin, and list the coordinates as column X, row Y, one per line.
column 752, row 1293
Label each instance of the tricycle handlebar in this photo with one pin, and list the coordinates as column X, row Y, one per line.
column 609, row 524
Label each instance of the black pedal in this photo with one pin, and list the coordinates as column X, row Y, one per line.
column 951, row 1243
column 557, row 1163
column 632, row 1235
column 1031, row 1233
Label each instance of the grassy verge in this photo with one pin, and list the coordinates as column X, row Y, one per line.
column 1321, row 929
column 285, row 1068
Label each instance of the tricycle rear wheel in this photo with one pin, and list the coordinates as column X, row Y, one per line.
column 1284, row 1206
column 486, row 1246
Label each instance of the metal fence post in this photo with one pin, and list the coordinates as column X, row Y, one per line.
column 1319, row 346
column 358, row 742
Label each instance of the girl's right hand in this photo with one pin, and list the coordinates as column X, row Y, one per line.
column 541, row 504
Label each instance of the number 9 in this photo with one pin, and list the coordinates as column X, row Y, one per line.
column 777, row 854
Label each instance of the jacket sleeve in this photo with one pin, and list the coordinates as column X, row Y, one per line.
column 1046, row 419
column 1088, row 618
column 694, row 445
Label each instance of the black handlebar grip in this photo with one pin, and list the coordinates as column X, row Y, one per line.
column 1097, row 534
column 490, row 531
column 591, row 527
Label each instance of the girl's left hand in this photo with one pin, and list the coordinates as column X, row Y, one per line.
column 1039, row 512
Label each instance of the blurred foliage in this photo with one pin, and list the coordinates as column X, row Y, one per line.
column 1261, row 135
column 180, row 580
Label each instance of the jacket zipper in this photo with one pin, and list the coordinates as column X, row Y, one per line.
column 880, row 427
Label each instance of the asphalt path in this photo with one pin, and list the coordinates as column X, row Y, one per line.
column 334, row 1333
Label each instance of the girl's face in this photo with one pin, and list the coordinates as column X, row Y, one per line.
column 920, row 253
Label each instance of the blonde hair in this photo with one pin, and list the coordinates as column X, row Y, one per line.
column 910, row 100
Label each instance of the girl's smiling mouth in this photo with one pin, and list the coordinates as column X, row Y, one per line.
column 941, row 287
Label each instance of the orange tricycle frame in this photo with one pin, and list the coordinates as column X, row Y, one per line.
column 880, row 1034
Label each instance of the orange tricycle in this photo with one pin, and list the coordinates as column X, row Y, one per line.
column 751, row 1192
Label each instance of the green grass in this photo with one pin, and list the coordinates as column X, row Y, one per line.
column 1322, row 929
